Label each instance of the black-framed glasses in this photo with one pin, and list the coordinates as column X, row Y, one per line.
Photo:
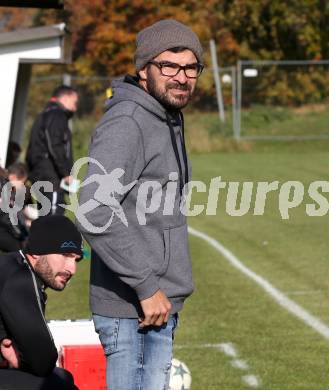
column 171, row 69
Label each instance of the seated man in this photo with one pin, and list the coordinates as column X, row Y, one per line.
column 28, row 353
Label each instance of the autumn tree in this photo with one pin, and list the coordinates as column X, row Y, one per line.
column 103, row 33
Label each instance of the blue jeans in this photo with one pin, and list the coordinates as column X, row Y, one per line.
column 137, row 359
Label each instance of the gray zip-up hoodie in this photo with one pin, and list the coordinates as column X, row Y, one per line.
column 130, row 263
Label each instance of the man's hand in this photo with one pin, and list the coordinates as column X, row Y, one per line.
column 68, row 179
column 156, row 310
column 9, row 353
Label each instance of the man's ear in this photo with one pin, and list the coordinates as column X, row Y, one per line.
column 33, row 259
column 142, row 73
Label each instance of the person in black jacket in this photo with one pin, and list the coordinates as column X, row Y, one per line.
column 49, row 155
column 28, row 353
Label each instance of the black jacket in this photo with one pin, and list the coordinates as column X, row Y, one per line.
column 49, row 154
column 22, row 306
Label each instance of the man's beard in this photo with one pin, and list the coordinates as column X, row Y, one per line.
column 164, row 97
column 46, row 274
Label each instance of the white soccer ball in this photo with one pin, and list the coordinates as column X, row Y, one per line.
column 180, row 376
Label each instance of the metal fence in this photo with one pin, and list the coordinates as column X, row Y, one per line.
column 282, row 100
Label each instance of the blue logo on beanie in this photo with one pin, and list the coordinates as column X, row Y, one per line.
column 69, row 244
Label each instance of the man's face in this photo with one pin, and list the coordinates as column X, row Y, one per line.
column 171, row 91
column 69, row 101
column 56, row 269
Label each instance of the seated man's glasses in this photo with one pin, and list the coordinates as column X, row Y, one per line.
column 171, row 69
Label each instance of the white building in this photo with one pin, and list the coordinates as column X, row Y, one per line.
column 18, row 51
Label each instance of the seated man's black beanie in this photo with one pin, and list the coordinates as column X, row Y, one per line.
column 53, row 234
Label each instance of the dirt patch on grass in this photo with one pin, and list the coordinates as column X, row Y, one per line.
column 307, row 108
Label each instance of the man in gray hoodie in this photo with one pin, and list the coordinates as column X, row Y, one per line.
column 135, row 220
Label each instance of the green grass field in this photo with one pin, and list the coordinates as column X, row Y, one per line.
column 280, row 121
column 227, row 307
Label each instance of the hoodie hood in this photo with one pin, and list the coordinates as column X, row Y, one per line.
column 127, row 89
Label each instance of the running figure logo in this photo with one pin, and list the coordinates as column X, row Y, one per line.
column 109, row 185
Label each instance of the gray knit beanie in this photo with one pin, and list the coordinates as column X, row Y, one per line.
column 161, row 36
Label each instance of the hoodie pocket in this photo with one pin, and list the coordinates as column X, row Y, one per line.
column 166, row 243
column 176, row 273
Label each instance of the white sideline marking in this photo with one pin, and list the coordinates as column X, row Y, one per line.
column 251, row 380
column 240, row 364
column 228, row 349
column 276, row 294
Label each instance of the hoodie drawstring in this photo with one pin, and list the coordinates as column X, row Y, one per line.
column 174, row 145
column 184, row 148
